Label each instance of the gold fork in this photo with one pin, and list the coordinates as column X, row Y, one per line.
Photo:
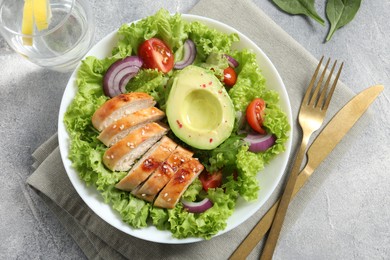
column 311, row 116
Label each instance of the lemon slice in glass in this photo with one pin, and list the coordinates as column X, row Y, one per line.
column 38, row 12
column 27, row 22
column 42, row 14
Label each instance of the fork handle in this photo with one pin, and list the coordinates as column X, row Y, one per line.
column 280, row 214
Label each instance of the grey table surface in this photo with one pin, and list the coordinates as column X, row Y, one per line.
column 348, row 218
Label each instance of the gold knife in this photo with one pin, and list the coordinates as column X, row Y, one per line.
column 325, row 142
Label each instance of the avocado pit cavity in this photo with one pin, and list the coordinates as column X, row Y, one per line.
column 201, row 111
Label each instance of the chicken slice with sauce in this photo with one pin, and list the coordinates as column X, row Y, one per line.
column 149, row 162
column 178, row 184
column 152, row 186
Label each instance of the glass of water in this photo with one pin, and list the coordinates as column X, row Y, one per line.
column 60, row 46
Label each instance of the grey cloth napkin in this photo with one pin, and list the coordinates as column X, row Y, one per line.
column 99, row 240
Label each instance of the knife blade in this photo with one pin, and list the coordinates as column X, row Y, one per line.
column 325, row 142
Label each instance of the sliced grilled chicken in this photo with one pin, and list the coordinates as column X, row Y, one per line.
column 171, row 193
column 147, row 164
column 122, row 127
column 152, row 186
column 121, row 156
column 119, row 106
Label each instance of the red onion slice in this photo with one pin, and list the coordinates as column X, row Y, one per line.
column 259, row 143
column 231, row 61
column 119, row 74
column 189, row 55
column 197, row 207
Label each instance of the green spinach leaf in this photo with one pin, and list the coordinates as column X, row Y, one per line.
column 339, row 13
column 305, row 7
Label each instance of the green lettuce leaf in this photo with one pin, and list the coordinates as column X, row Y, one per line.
column 224, row 156
column 248, row 165
column 133, row 211
column 193, row 190
column 185, row 224
column 160, row 218
column 152, row 82
column 170, row 29
column 250, row 82
column 208, row 40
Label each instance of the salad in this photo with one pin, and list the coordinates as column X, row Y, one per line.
column 235, row 165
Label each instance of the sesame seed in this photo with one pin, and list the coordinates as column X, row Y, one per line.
column 121, row 127
column 112, row 156
column 166, row 194
column 169, row 199
column 114, row 126
column 143, row 194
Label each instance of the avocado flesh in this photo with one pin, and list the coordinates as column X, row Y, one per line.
column 199, row 110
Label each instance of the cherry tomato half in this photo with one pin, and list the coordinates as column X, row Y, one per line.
column 156, row 55
column 229, row 77
column 255, row 115
column 210, row 180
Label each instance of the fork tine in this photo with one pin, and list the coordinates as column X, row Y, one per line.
column 312, row 81
column 325, row 88
column 333, row 87
column 313, row 99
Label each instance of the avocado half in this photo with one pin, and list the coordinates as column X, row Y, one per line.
column 199, row 110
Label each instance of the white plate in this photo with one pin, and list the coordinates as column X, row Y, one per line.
column 268, row 179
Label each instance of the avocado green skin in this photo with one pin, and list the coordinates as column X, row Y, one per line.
column 199, row 110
